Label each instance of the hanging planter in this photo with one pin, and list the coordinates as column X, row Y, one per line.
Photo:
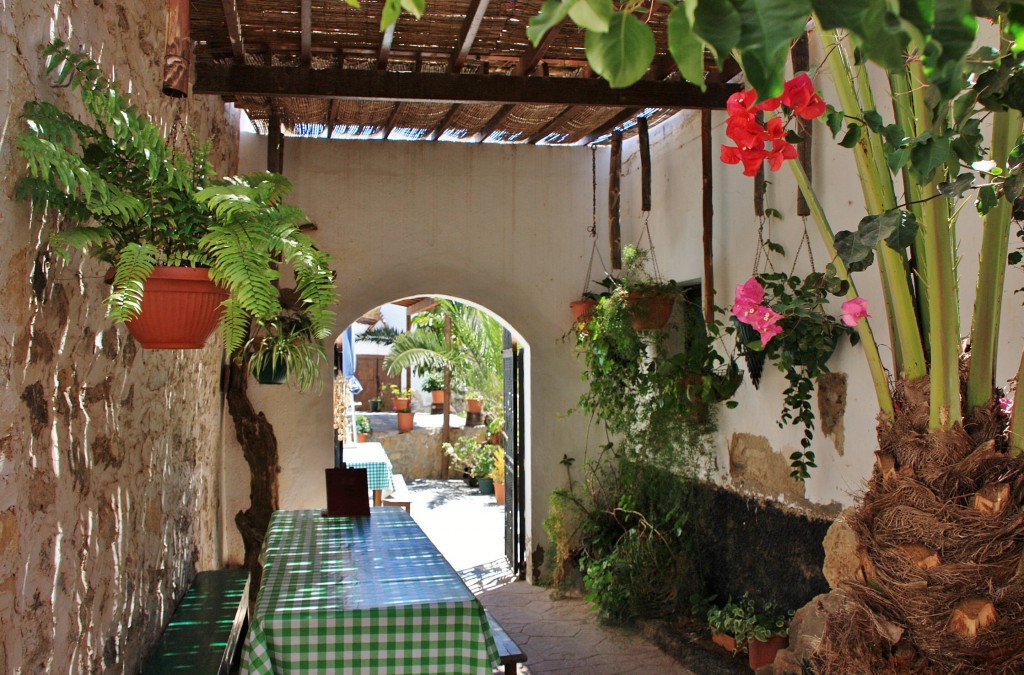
column 273, row 372
column 181, row 308
column 650, row 309
column 581, row 309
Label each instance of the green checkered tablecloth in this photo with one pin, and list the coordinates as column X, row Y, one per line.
column 362, row 595
column 370, row 456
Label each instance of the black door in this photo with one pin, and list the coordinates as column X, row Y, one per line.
column 515, row 509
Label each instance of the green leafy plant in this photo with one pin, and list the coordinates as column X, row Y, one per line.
column 136, row 203
column 433, row 382
column 471, row 452
column 363, row 425
column 746, row 620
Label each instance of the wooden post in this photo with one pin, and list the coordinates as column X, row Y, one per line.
column 645, row 164
column 275, row 143
column 801, row 61
column 614, row 229
column 446, row 426
column 708, row 209
column 177, row 49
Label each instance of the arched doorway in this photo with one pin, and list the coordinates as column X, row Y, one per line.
column 378, row 336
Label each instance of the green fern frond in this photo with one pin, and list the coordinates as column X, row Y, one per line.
column 135, row 264
column 234, row 325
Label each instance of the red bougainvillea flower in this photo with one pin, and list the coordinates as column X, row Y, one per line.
column 751, row 158
column 800, row 96
column 782, row 149
column 746, row 131
column 854, row 310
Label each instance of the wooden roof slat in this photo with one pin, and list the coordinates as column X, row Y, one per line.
column 436, row 132
column 494, row 122
column 234, row 29
column 552, row 125
column 610, row 125
column 306, row 14
column 467, row 34
column 385, row 47
column 246, row 80
column 534, row 55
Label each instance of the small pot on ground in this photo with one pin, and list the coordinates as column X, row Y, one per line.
column 760, row 652
column 405, row 421
column 376, row 405
column 486, row 485
column 499, row 492
column 725, row 641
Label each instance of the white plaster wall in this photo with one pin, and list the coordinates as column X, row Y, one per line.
column 109, row 454
column 501, row 227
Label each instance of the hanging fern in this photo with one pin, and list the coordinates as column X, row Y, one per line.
column 136, row 203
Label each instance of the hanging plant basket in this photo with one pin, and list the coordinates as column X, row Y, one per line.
column 581, row 309
column 273, row 372
column 650, row 309
column 181, row 308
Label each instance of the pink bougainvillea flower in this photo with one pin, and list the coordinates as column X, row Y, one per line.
column 800, row 96
column 1006, row 406
column 751, row 292
column 855, row 310
column 765, row 321
column 768, row 332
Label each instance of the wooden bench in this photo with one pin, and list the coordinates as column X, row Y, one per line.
column 206, row 631
column 508, row 651
column 399, row 494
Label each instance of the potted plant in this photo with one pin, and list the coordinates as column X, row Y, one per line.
column 648, row 299
column 474, row 403
column 161, row 220
column 401, row 399
column 376, row 404
column 483, row 469
column 434, row 385
column 767, row 633
column 469, row 453
column 726, row 623
column 498, row 472
column 363, row 428
column 287, row 345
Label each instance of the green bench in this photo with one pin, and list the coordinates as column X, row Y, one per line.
column 508, row 651
column 205, row 633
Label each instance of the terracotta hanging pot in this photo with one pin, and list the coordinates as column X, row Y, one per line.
column 181, row 308
column 650, row 309
column 581, row 309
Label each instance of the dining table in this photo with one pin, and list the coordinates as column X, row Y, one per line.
column 362, row 594
column 373, row 458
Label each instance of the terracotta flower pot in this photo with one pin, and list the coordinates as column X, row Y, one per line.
column 404, row 422
column 582, row 308
column 650, row 310
column 499, row 492
column 400, row 403
column 437, row 397
column 760, row 653
column 725, row 641
column 181, row 308
column 362, row 438
column 474, row 405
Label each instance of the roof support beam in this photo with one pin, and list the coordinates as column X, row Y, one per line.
column 244, row 80
column 443, row 124
column 467, row 34
column 332, row 118
column 385, row 47
column 609, row 125
column 306, row 48
column 533, row 54
column 234, row 29
column 541, row 133
column 494, row 122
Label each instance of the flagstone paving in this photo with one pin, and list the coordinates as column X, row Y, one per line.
column 558, row 636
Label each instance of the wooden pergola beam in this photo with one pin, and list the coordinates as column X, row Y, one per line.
column 533, row 55
column 384, row 53
column 234, row 29
column 306, row 48
column 332, row 118
column 541, row 133
column 495, row 121
column 246, row 80
column 443, row 124
column 467, row 34
column 609, row 126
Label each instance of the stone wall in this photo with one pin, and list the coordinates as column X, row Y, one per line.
column 417, row 454
column 109, row 455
